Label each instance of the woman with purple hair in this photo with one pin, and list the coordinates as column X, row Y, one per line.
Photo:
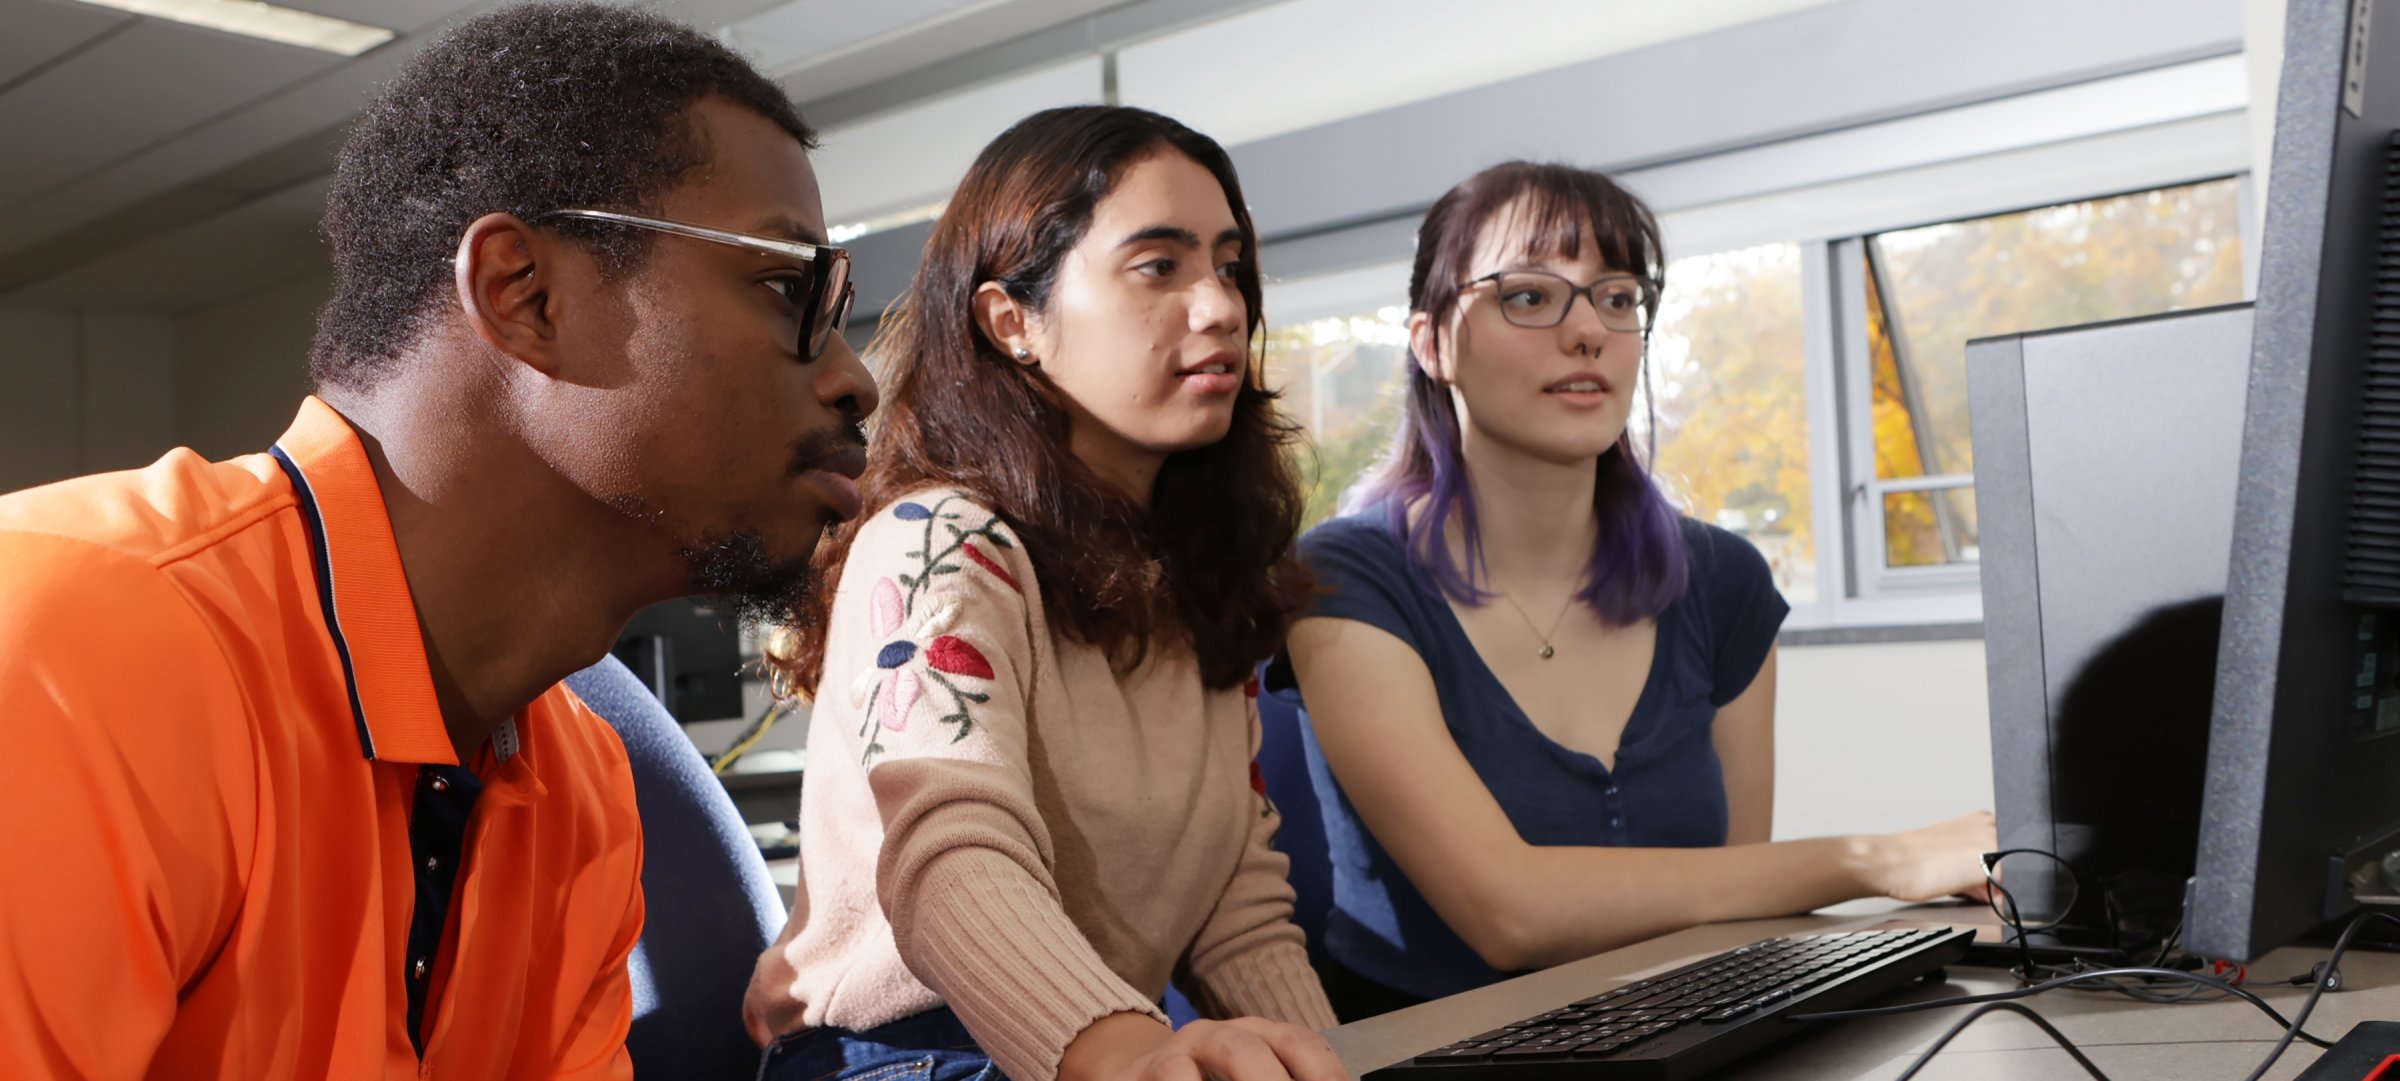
column 1541, row 700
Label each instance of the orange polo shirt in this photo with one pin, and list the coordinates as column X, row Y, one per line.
column 217, row 719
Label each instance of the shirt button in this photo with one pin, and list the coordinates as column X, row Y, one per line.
column 1612, row 790
column 440, row 785
column 432, row 864
column 417, row 971
column 1617, row 823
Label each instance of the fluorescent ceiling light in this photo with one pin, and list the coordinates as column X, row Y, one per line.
column 250, row 18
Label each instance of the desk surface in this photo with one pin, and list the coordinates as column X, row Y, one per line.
column 2129, row 1040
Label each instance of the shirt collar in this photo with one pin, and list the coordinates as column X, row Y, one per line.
column 363, row 590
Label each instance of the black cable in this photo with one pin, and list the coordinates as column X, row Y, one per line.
column 1995, row 895
column 2320, row 979
column 2038, row 1020
column 2145, row 990
column 2031, row 971
column 2316, row 991
column 2166, row 946
column 2293, row 1029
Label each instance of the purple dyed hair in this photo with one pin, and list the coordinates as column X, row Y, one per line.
column 1639, row 566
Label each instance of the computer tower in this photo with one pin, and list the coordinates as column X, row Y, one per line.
column 2106, row 463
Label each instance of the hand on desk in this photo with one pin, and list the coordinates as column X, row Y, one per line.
column 1936, row 861
column 1133, row 1047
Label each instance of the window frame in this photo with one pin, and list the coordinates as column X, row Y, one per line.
column 1863, row 492
column 1875, row 592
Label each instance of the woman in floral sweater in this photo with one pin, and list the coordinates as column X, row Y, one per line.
column 1030, row 800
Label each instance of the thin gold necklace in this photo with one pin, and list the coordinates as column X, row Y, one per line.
column 1547, row 651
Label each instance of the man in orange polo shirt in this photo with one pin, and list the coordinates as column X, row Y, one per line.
column 295, row 792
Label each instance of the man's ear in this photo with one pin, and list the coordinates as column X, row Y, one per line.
column 1005, row 322
column 504, row 288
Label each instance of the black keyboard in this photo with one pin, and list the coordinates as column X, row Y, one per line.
column 1698, row 1017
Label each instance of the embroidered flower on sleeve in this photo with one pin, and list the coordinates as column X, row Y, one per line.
column 1258, row 776
column 918, row 654
column 1258, row 784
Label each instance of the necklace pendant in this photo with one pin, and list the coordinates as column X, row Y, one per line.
column 1548, row 652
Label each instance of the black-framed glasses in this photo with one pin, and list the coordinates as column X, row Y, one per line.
column 824, row 308
column 1538, row 298
column 2046, row 889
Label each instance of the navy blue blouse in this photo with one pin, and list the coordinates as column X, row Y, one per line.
column 1666, row 791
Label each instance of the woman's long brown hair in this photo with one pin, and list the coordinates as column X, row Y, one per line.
column 1211, row 560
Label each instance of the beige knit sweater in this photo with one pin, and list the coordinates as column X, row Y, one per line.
column 995, row 820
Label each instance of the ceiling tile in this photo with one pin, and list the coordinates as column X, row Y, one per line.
column 792, row 34
column 241, row 251
column 40, row 30
column 402, row 16
column 813, row 73
column 131, row 91
column 1232, row 78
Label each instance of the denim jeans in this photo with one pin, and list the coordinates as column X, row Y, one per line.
column 931, row 1046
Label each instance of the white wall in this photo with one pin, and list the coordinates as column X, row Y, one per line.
column 242, row 367
column 89, row 390
column 82, row 391
column 39, row 369
column 1877, row 738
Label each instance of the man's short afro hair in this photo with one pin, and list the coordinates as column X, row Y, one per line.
column 526, row 110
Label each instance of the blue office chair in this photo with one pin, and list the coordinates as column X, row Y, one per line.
column 712, row 907
column 1283, row 761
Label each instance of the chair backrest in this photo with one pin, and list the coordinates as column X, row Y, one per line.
column 1283, row 750
column 712, row 909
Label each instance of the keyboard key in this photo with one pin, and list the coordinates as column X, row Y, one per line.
column 1454, row 1054
column 1640, row 1034
column 1530, row 1052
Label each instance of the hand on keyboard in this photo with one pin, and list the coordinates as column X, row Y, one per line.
column 1133, row 1047
column 1936, row 861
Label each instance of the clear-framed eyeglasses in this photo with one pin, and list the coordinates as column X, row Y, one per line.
column 823, row 301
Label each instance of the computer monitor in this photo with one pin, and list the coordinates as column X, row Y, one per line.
column 2302, row 798
column 689, row 655
column 2106, row 458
